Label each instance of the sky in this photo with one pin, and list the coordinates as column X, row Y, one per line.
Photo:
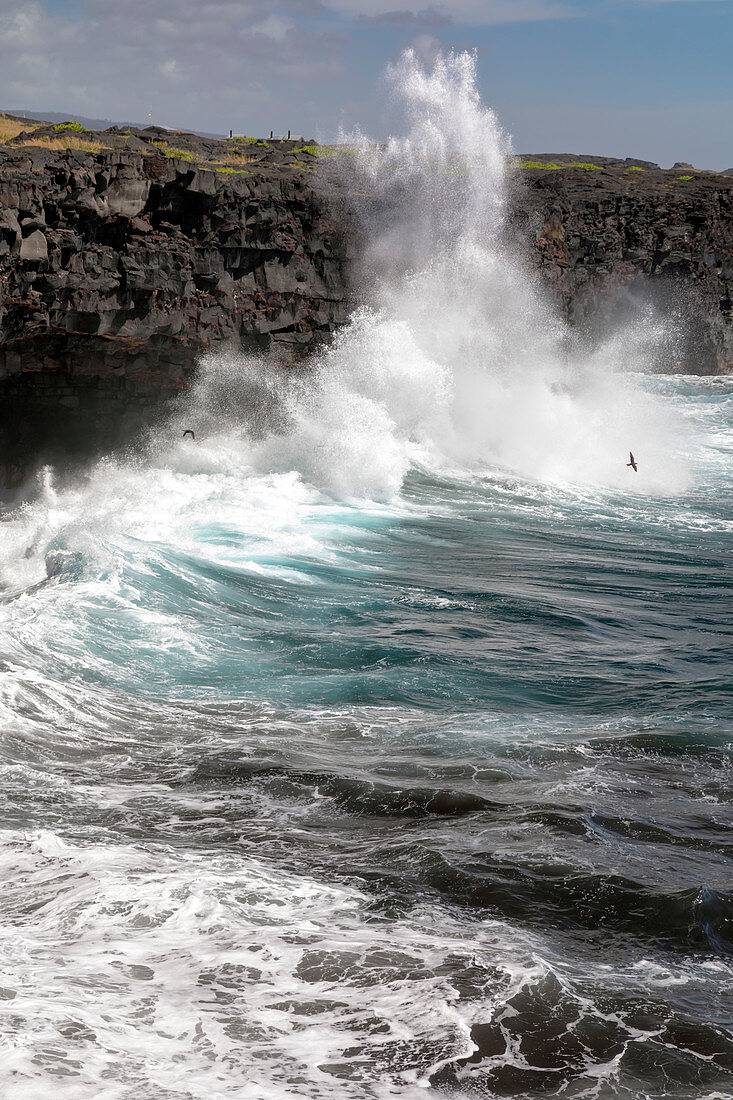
column 651, row 79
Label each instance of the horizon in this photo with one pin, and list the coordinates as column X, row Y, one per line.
column 643, row 79
column 98, row 124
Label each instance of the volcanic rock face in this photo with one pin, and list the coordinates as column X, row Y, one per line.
column 111, row 257
column 123, row 257
column 118, row 268
column 622, row 233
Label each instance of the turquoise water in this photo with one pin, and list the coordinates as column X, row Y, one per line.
column 378, row 742
column 421, row 797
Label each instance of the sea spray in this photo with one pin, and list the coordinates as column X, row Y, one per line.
column 458, row 360
column 348, row 800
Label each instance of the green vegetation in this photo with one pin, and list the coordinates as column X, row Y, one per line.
column 235, row 171
column 239, row 140
column 684, row 177
column 174, row 154
column 75, row 126
column 181, row 154
column 551, row 167
column 633, row 168
column 325, row 150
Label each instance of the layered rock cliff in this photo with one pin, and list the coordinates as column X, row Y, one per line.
column 124, row 255
column 120, row 264
column 608, row 231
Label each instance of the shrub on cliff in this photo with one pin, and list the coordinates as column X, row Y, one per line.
column 73, row 125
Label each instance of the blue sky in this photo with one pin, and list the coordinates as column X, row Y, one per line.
column 641, row 78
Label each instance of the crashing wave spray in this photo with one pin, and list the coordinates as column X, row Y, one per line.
column 459, row 361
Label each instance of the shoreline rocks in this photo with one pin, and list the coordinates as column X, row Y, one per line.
column 124, row 255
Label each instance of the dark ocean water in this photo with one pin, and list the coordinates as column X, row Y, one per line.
column 378, row 742
column 428, row 797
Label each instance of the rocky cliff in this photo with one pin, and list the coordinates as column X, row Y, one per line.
column 611, row 234
column 124, row 255
column 121, row 260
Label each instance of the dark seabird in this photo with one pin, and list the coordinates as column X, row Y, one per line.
column 632, row 463
column 188, row 432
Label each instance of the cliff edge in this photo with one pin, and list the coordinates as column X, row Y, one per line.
column 604, row 230
column 126, row 254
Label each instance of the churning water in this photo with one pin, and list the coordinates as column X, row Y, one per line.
column 378, row 743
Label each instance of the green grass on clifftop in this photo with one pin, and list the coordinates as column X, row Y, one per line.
column 174, row 154
column 239, row 139
column 550, row 166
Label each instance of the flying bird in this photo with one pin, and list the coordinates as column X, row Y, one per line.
column 632, row 463
column 189, row 432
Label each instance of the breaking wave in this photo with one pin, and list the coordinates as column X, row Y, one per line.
column 378, row 742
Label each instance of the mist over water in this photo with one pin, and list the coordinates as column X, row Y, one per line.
column 378, row 742
column 459, row 361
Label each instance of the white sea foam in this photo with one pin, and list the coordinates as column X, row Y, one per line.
column 457, row 364
column 181, row 972
column 459, row 361
column 198, row 974
column 173, row 929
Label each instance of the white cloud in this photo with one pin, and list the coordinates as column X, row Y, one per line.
column 20, row 27
column 190, row 61
column 275, row 26
column 170, row 70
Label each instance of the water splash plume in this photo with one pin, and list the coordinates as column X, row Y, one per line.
column 458, row 360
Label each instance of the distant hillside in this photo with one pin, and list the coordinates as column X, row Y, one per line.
column 92, row 123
